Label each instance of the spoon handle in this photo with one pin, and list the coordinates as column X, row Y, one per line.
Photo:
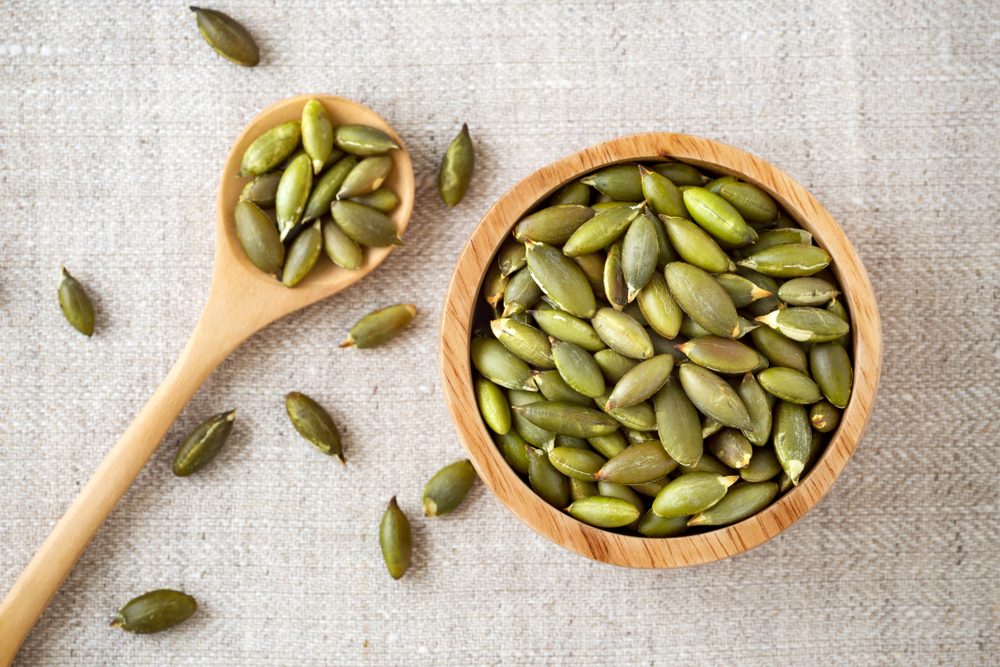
column 208, row 346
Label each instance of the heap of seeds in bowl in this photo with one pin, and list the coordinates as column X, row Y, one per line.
column 658, row 352
column 315, row 189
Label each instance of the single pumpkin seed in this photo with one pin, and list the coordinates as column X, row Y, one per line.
column 613, row 364
column 824, row 417
column 604, row 512
column 340, row 248
column 707, row 463
column 317, row 134
column 622, row 333
column 494, row 285
column 742, row 291
column 740, row 503
column 524, row 340
column 608, row 445
column 302, row 255
column 570, row 442
column 622, row 492
column 762, row 467
column 713, row 396
column 621, row 182
column 640, row 250
column 716, row 183
column 576, row 192
column 314, row 424
column 155, row 611
column 551, row 385
column 695, row 246
column 654, row 525
column 513, row 448
column 366, row 177
column 271, row 148
column 511, row 257
column 534, row 435
column 792, row 438
column 831, row 367
column 703, row 299
column 227, row 36
column 639, row 417
column 752, row 202
column 790, row 260
column 579, row 488
column 644, row 462
column 448, row 487
column 293, row 193
column 521, row 293
column 456, row 169
column 665, row 251
column 775, row 237
column 659, row 307
column 383, row 199
column 650, row 489
column 691, row 329
column 396, row 540
column 731, row 447
column 75, row 304
column 592, row 265
column 365, row 225
column 258, row 237
column 600, row 231
column 691, row 493
column 561, row 279
column 203, row 443
column 721, row 355
column 576, row 463
column 808, row 291
column 380, row 326
column 363, row 140
column 806, row 324
column 768, row 303
column 778, row 349
column 262, row 189
column 710, row 427
column 615, row 288
column 680, row 173
column 758, row 404
column 493, row 406
column 661, row 194
column 577, row 367
column 790, row 385
column 641, row 382
column 547, row 482
column 718, row 217
column 677, row 423
column 553, row 225
column 568, row 328
column 325, row 189
column 567, row 418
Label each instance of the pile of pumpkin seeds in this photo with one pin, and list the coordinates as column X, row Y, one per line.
column 659, row 351
column 315, row 189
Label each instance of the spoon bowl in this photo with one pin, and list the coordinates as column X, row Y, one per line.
column 242, row 300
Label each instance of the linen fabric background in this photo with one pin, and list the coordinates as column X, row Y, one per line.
column 115, row 120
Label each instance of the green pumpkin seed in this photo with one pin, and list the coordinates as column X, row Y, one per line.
column 640, row 383
column 568, row 328
column 615, row 288
column 716, row 183
column 622, row 492
column 640, row 250
column 155, row 611
column 366, row 177
column 524, row 341
column 494, row 285
column 383, row 199
column 75, row 304
column 258, row 237
column 579, row 488
column 604, row 512
column 790, row 260
column 691, row 329
column 776, row 237
column 608, row 445
column 752, row 202
column 663, row 196
column 713, row 396
column 695, row 246
column 805, row 324
column 762, row 467
column 707, row 463
column 792, row 438
column 640, row 416
column 448, row 487
column 521, row 293
column 622, row 333
column 576, row 463
column 654, row 525
column 731, row 447
column 396, row 540
column 561, row 279
column 721, row 355
column 203, row 443
column 456, row 169
column 317, row 134
column 644, row 462
column 365, row 225
column 592, row 266
column 270, row 149
column 573, row 193
column 650, row 489
column 262, row 189
column 570, row 442
column 790, row 385
column 742, row 291
column 824, row 417
column 778, row 349
column 363, row 140
column 838, row 309
column 613, row 364
column 547, row 482
column 703, row 299
column 680, row 173
column 493, row 406
column 227, row 36
column 293, row 193
column 768, row 303
column 380, row 326
column 691, row 493
column 710, row 427
column 659, row 307
column 621, row 182
column 314, row 424
column 326, row 187
column 553, row 225
column 339, row 247
column 554, row 388
column 739, row 503
column 567, row 419
column 758, row 404
column 665, row 253
column 718, row 217
column 677, row 423
column 534, row 435
column 600, row 231
column 831, row 367
column 511, row 257
column 302, row 255
column 578, row 368
column 513, row 448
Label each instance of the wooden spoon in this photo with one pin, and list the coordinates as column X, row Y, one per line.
column 241, row 301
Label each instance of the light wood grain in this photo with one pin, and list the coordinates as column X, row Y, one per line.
column 241, row 301
column 627, row 550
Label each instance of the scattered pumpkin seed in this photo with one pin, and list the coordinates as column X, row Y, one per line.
column 203, row 443
column 380, row 326
column 448, row 487
column 75, row 304
column 396, row 540
column 314, row 424
column 155, row 611
column 456, row 168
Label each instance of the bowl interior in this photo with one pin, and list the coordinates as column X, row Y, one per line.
column 628, row 550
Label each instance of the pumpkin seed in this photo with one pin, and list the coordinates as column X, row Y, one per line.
column 695, row 246
column 740, row 503
column 494, row 285
column 613, row 364
column 363, row 140
column 608, row 445
column 721, row 355
column 600, row 231
column 512, row 447
column 578, row 368
column 663, row 196
column 716, row 183
column 576, row 463
column 567, row 419
column 396, row 540
column 703, row 299
column 640, row 416
column 806, row 324
column 579, row 488
column 547, row 482
column 762, row 467
column 383, row 199
column 326, row 187
column 314, row 424
column 592, row 266
column 707, row 463
column 774, row 237
column 790, row 385
column 553, row 225
column 293, row 193
column 521, row 293
column 790, row 260
column 713, row 396
column 262, row 189
column 572, row 193
column 380, row 326
column 831, row 367
column 448, row 488
column 615, row 288
column 75, row 304
column 365, row 225
column 551, row 385
column 155, row 611
column 258, row 237
column 511, row 257
column 691, row 493
column 561, row 279
column 621, row 182
column 317, row 134
column 568, row 328
column 677, row 423
column 654, row 525
column 792, row 438
column 650, row 488
column 752, row 202
column 302, row 255
column 339, row 247
column 366, row 177
column 534, row 435
column 644, row 462
column 640, row 382
column 456, row 169
column 203, row 443
column 680, row 173
column 758, row 404
column 665, row 252
column 824, row 417
column 778, row 349
column 271, row 148
column 838, row 309
column 718, row 217
column 524, row 340
column 604, row 512
column 493, row 406
column 659, row 308
column 731, row 447
column 640, row 250
column 742, row 291
column 227, row 36
column 622, row 333
column 710, row 427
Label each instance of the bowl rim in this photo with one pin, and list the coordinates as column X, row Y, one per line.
column 628, row 550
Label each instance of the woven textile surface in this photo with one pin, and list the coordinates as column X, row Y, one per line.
column 115, row 119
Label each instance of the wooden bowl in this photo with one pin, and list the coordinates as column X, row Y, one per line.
column 628, row 550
